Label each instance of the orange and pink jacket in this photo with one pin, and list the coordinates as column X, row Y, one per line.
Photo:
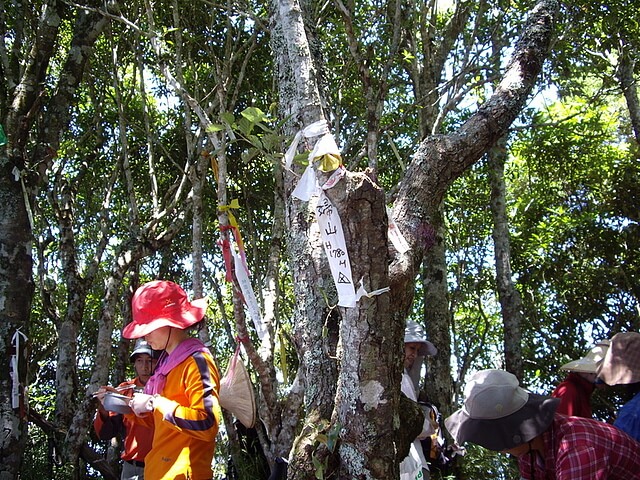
column 185, row 420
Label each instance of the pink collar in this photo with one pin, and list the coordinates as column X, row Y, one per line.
column 167, row 362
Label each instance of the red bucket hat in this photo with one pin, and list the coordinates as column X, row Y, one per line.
column 162, row 304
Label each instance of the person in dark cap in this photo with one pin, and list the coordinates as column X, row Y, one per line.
column 621, row 366
column 109, row 424
column 500, row 415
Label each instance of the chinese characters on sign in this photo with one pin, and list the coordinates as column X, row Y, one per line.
column 336, row 250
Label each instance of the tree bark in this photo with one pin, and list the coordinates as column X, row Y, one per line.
column 509, row 296
column 16, row 292
column 437, row 316
column 316, row 379
column 368, row 392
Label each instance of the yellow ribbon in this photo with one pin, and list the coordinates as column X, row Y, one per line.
column 329, row 162
column 232, row 220
column 214, row 165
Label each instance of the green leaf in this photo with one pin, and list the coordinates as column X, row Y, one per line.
column 245, row 126
column 228, row 118
column 255, row 141
column 254, row 115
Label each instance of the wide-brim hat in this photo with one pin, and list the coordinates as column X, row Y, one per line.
column 498, row 414
column 591, row 361
column 236, row 392
column 621, row 363
column 161, row 303
column 414, row 333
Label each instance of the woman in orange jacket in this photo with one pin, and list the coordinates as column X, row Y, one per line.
column 180, row 400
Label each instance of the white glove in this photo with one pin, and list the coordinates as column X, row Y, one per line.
column 141, row 403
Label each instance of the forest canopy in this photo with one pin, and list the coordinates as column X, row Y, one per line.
column 146, row 141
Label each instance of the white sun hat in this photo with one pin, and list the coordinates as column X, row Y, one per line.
column 591, row 361
column 414, row 333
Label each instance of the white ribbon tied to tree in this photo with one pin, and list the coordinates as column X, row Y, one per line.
column 335, row 247
column 244, row 282
column 329, row 222
column 314, row 130
column 15, row 377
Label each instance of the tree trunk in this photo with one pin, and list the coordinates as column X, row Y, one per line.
column 16, row 292
column 629, row 85
column 368, row 393
column 439, row 384
column 317, row 376
column 509, row 296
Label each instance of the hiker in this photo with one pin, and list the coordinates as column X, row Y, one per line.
column 621, row 366
column 575, row 390
column 181, row 398
column 500, row 415
column 108, row 424
column 416, row 347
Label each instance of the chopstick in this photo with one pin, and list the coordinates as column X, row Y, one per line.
column 119, row 389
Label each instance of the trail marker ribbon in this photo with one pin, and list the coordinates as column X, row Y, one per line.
column 235, row 260
column 335, row 245
column 331, row 231
column 329, row 221
column 15, row 376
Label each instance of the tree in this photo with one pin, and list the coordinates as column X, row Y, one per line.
column 579, row 224
column 439, row 160
column 25, row 160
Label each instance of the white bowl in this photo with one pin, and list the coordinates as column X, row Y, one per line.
column 114, row 402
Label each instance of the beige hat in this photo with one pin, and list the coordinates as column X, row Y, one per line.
column 498, row 414
column 621, row 364
column 591, row 361
column 236, row 392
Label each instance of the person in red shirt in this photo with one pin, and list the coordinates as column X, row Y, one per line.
column 137, row 438
column 575, row 390
column 500, row 415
